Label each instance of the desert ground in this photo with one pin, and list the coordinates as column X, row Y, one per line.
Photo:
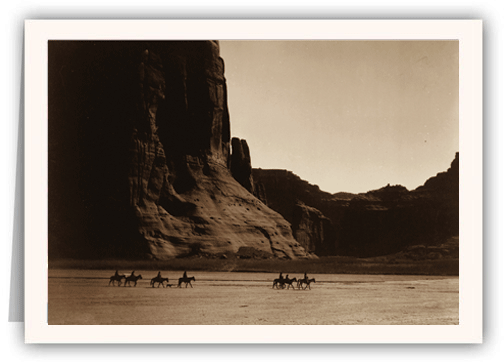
column 233, row 298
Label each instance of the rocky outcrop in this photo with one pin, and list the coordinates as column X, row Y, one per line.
column 378, row 222
column 240, row 164
column 313, row 230
column 300, row 203
column 139, row 151
column 447, row 181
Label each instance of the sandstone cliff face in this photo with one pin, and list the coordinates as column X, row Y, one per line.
column 374, row 223
column 299, row 202
column 139, row 149
column 312, row 229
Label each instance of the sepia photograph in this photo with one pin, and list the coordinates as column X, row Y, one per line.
column 298, row 182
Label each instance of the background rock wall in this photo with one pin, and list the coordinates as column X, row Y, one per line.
column 375, row 223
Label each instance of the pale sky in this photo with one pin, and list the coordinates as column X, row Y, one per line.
column 346, row 115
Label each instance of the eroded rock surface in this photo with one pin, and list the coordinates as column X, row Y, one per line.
column 378, row 222
column 140, row 151
column 241, row 164
column 300, row 203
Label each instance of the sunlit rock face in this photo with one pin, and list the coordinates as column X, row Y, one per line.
column 139, row 156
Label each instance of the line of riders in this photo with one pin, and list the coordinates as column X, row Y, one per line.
column 281, row 282
column 157, row 279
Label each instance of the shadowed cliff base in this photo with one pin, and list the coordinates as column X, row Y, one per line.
column 398, row 264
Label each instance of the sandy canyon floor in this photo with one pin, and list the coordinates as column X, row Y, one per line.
column 219, row 298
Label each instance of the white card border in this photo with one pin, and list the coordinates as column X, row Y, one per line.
column 469, row 34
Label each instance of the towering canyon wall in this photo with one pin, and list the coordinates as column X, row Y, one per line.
column 140, row 162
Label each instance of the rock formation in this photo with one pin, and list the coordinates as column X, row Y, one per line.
column 300, row 203
column 141, row 164
column 392, row 218
column 374, row 223
column 313, row 230
column 139, row 156
column 241, row 165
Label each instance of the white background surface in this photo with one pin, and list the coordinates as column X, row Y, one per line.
column 13, row 16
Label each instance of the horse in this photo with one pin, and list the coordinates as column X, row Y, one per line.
column 186, row 280
column 158, row 280
column 278, row 283
column 300, row 282
column 289, row 282
column 307, row 282
column 116, row 278
column 132, row 278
